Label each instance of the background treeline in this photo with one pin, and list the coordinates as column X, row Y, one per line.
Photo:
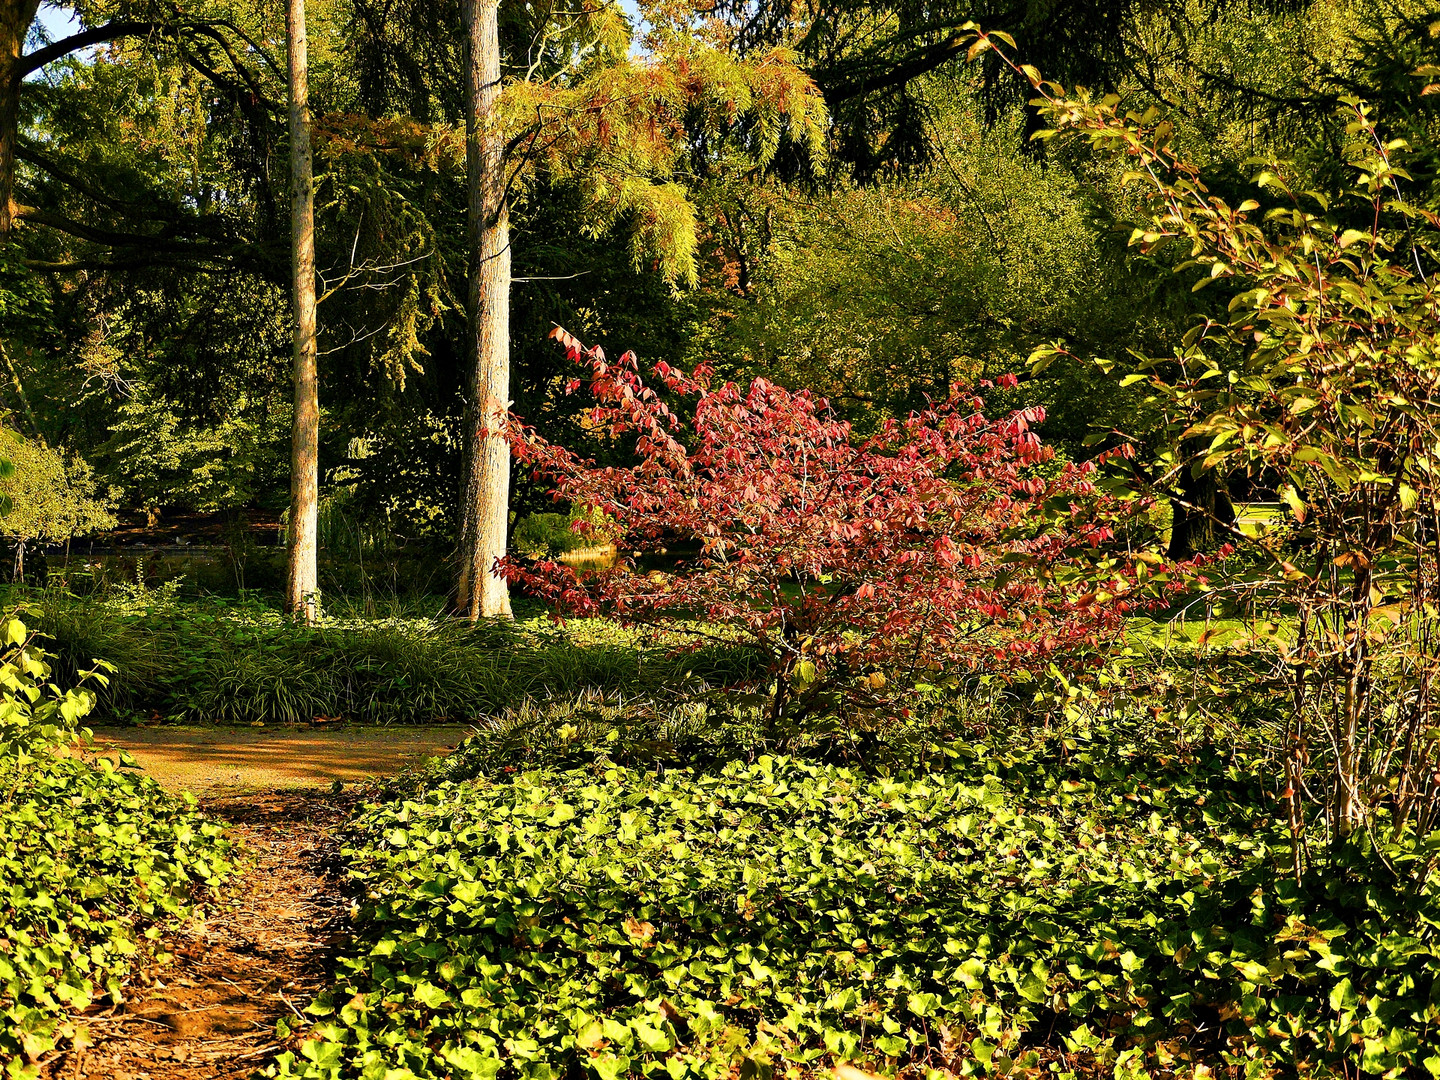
column 143, row 298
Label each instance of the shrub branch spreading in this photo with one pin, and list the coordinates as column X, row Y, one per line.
column 931, row 549
column 1323, row 381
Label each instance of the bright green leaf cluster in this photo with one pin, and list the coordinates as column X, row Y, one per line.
column 780, row 915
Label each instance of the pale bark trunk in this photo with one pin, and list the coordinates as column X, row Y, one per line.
column 485, row 495
column 15, row 19
column 302, row 585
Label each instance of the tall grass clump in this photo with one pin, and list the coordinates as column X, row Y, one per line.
column 81, row 633
column 241, row 664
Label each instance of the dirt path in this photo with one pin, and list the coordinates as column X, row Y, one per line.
column 214, row 761
column 211, row 1012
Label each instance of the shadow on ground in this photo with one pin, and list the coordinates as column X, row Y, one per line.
column 218, row 1000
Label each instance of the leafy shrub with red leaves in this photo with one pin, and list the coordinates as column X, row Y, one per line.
column 935, row 548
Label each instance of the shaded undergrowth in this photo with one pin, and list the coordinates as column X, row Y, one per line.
column 243, row 664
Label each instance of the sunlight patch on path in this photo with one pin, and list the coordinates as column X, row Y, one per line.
column 215, row 761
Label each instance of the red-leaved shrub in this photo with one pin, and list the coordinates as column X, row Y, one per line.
column 922, row 553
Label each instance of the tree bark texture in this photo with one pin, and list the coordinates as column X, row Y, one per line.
column 15, row 19
column 485, row 496
column 302, row 585
column 1199, row 523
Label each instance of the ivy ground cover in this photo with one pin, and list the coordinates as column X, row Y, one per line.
column 1098, row 914
column 96, row 862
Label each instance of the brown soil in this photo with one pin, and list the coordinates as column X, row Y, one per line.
column 210, row 1011
column 214, row 761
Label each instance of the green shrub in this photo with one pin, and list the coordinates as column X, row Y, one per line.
column 541, row 535
column 48, row 496
column 593, row 728
column 702, row 732
column 95, row 862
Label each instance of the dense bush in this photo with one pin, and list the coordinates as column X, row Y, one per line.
column 1101, row 908
column 855, row 567
column 48, row 496
column 95, row 861
column 541, row 535
column 1318, row 380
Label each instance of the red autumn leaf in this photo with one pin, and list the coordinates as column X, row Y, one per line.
column 802, row 524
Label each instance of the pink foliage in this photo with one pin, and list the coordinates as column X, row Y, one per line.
column 926, row 550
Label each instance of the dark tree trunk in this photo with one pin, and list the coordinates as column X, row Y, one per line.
column 1202, row 517
column 485, row 496
column 15, row 19
column 302, row 583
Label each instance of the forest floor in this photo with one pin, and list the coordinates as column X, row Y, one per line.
column 209, row 1009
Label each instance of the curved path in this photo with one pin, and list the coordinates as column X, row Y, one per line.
column 218, row 761
column 231, row 992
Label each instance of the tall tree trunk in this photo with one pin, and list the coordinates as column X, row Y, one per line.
column 15, row 19
column 19, row 387
column 485, row 497
column 302, row 584
column 1199, row 522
